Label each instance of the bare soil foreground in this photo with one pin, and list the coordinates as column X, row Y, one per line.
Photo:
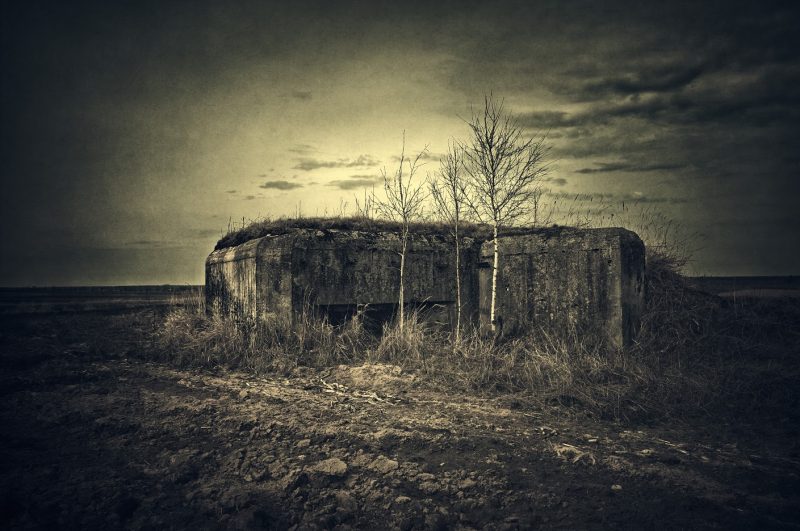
column 96, row 437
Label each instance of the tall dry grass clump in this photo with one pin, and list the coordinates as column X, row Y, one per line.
column 568, row 367
column 191, row 337
column 675, row 361
column 700, row 354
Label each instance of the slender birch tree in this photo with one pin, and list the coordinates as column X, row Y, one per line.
column 403, row 202
column 503, row 168
column 449, row 190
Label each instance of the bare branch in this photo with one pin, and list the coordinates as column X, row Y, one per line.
column 403, row 202
column 502, row 165
column 448, row 186
column 503, row 169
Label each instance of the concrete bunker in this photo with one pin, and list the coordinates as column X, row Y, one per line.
column 589, row 279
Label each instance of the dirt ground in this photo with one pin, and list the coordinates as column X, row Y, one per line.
column 94, row 437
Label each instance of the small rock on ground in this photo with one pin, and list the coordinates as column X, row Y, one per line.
column 331, row 467
column 384, row 465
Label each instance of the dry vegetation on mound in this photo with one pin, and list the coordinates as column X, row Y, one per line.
column 264, row 227
column 695, row 354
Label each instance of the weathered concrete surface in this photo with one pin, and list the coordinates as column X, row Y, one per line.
column 231, row 280
column 252, row 280
column 277, row 276
column 589, row 279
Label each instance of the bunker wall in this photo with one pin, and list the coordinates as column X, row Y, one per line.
column 251, row 280
column 588, row 280
column 344, row 268
column 278, row 276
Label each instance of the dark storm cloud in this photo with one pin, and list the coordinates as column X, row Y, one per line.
column 659, row 79
column 280, row 185
column 556, row 181
column 700, row 91
column 356, row 181
column 605, row 167
column 645, row 199
column 591, row 50
column 762, row 98
column 302, row 149
column 425, row 157
column 309, row 164
column 630, row 198
column 353, row 184
column 548, row 120
column 636, row 144
column 580, row 196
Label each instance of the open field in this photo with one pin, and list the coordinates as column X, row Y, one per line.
column 731, row 287
column 94, row 298
column 96, row 435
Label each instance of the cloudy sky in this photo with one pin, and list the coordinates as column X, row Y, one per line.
column 134, row 133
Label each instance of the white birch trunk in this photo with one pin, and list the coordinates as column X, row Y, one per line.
column 495, row 263
column 401, row 305
column 458, row 288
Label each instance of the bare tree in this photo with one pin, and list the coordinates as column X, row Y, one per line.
column 449, row 190
column 503, row 168
column 403, row 203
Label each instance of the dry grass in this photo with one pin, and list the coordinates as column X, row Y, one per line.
column 695, row 353
column 257, row 229
column 477, row 231
column 190, row 338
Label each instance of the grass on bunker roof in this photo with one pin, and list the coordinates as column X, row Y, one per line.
column 264, row 227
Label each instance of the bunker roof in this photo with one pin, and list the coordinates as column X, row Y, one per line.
column 477, row 231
